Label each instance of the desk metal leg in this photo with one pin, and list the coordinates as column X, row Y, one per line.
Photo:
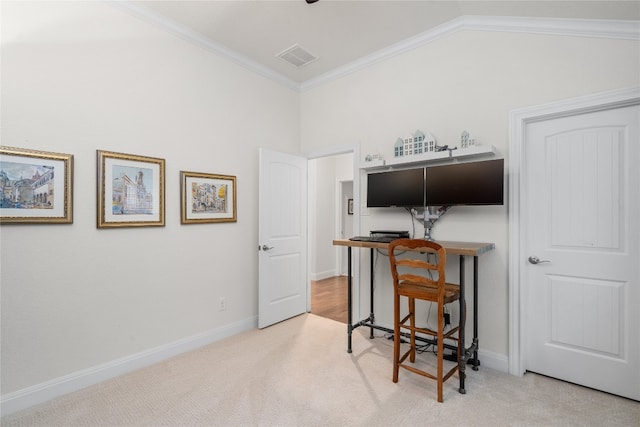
column 462, row 359
column 371, row 315
column 349, row 310
column 475, row 360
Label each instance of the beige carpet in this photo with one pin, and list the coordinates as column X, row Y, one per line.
column 298, row 373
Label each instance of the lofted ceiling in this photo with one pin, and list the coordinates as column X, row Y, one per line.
column 339, row 32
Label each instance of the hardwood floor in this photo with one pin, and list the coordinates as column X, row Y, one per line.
column 329, row 298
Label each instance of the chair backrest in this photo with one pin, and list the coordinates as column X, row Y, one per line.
column 411, row 269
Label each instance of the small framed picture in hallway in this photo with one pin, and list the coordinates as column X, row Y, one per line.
column 207, row 198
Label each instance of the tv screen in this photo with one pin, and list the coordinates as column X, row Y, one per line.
column 474, row 183
column 396, row 188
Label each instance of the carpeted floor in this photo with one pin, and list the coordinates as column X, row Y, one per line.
column 298, row 373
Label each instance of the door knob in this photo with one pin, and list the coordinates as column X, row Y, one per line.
column 266, row 248
column 535, row 260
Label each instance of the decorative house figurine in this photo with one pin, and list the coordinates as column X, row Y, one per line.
column 467, row 140
column 372, row 157
column 414, row 144
column 429, row 143
column 398, row 148
column 417, row 143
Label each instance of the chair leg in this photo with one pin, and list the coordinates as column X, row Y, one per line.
column 396, row 336
column 412, row 322
column 440, row 352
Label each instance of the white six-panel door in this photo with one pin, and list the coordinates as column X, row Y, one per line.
column 583, row 263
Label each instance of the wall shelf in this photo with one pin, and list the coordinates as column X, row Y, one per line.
column 421, row 159
column 373, row 164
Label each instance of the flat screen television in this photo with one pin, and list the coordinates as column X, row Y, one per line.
column 397, row 188
column 473, row 183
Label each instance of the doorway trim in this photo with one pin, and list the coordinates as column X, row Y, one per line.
column 334, row 151
column 518, row 121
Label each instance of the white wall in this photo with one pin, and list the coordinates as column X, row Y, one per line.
column 468, row 80
column 83, row 76
column 321, row 216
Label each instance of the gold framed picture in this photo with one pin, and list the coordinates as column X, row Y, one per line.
column 207, row 198
column 130, row 190
column 36, row 187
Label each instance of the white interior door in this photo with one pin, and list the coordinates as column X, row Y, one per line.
column 582, row 214
column 282, row 233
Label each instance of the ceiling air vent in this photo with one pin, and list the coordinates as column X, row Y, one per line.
column 297, row 56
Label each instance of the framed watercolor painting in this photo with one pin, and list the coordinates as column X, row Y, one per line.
column 207, row 198
column 130, row 190
column 36, row 187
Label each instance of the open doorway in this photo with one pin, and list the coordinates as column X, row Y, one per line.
column 331, row 216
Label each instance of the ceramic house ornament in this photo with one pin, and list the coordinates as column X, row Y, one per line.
column 467, row 140
column 417, row 143
column 398, row 148
column 429, row 143
column 373, row 157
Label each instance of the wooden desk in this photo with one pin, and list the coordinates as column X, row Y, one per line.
column 462, row 249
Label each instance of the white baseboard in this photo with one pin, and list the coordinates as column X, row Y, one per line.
column 39, row 393
column 489, row 359
column 322, row 275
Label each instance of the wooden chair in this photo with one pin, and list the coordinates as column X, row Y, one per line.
column 417, row 277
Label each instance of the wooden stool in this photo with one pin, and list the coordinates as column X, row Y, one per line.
column 421, row 279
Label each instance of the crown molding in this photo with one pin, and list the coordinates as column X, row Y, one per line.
column 598, row 28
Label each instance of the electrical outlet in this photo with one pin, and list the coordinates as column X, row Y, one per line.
column 222, row 304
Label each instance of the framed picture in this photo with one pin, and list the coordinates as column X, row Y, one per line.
column 207, row 198
column 130, row 190
column 35, row 187
column 350, row 206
